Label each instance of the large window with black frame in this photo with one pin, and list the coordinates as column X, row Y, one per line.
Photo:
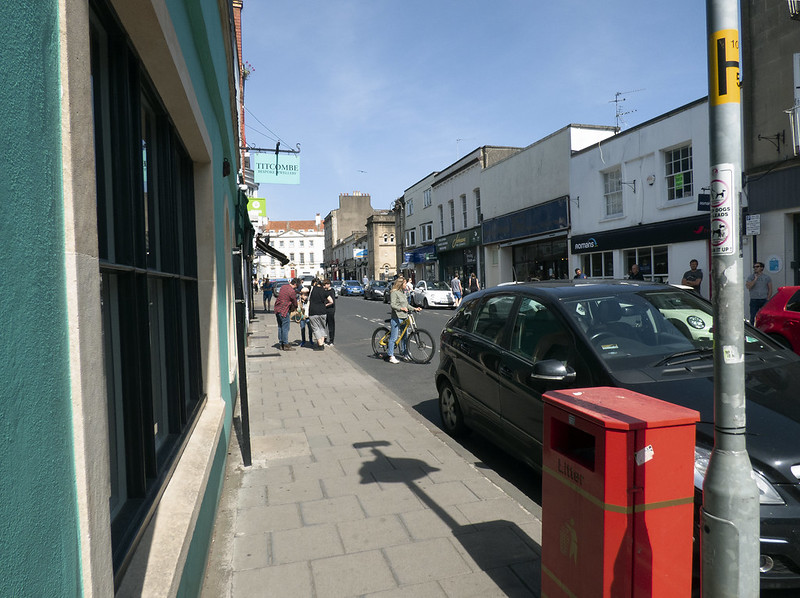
column 653, row 262
column 148, row 266
column 598, row 265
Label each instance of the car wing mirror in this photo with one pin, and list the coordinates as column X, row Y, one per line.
column 552, row 370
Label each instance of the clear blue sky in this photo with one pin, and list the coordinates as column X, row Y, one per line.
column 380, row 93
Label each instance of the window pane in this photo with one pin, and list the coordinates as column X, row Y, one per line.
column 678, row 171
column 660, row 262
column 491, row 319
column 613, row 192
column 113, row 371
column 607, row 259
column 158, row 371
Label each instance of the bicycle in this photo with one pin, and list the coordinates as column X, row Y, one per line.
column 420, row 345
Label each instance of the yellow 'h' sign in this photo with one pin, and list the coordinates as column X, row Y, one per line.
column 724, row 71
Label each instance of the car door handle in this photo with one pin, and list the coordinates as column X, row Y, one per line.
column 464, row 348
column 506, row 372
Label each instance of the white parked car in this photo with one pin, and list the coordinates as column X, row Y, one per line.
column 432, row 294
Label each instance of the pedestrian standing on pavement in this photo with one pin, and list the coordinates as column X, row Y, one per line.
column 330, row 309
column 302, row 310
column 455, row 287
column 318, row 301
column 693, row 277
column 409, row 288
column 285, row 304
column 267, row 288
column 636, row 273
column 400, row 308
column 579, row 273
column 365, row 280
column 760, row 287
column 474, row 284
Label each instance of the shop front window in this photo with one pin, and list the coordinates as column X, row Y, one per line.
column 545, row 260
column 653, row 262
column 598, row 265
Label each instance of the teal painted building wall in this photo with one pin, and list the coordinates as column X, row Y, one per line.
column 39, row 540
column 41, row 535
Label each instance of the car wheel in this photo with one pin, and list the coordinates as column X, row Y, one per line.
column 450, row 411
column 425, row 303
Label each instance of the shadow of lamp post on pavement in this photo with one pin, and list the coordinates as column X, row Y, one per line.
column 499, row 548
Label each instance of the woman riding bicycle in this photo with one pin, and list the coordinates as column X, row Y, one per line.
column 400, row 308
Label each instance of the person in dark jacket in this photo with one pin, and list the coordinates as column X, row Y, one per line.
column 474, row 285
column 330, row 308
column 318, row 301
column 285, row 304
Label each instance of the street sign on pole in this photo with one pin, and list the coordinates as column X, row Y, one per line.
column 753, row 224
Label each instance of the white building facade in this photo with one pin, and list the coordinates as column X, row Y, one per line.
column 419, row 251
column 458, row 213
column 634, row 199
column 525, row 207
column 301, row 241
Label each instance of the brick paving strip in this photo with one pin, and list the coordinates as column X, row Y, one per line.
column 349, row 494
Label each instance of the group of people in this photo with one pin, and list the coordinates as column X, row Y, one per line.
column 313, row 307
column 758, row 284
column 460, row 290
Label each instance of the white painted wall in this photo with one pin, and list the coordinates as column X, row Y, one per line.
column 775, row 241
column 453, row 187
column 639, row 152
column 422, row 214
column 582, row 136
column 537, row 174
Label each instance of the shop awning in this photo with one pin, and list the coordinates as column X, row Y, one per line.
column 271, row 251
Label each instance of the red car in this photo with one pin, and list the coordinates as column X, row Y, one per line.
column 780, row 317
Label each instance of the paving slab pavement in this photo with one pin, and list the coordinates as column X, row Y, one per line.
column 351, row 494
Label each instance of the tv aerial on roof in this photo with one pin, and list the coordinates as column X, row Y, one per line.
column 619, row 112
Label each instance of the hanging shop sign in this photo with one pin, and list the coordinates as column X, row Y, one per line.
column 256, row 207
column 279, row 168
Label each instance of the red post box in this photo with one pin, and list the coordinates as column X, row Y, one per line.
column 617, row 495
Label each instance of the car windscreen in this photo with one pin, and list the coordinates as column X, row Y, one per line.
column 651, row 328
column 438, row 286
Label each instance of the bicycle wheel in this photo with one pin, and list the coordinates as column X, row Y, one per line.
column 380, row 340
column 421, row 346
